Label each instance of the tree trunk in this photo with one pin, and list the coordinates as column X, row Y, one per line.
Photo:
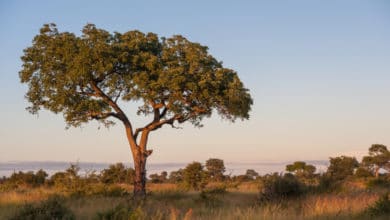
column 377, row 171
column 140, row 175
column 140, row 155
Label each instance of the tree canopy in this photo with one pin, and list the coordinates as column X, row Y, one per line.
column 379, row 157
column 301, row 169
column 342, row 167
column 85, row 76
column 215, row 169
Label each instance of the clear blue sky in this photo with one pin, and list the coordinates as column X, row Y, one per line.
column 319, row 73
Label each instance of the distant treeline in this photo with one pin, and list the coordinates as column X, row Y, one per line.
column 298, row 176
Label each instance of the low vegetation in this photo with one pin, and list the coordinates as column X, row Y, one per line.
column 347, row 190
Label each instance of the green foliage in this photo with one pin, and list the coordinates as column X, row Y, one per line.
column 251, row 174
column 122, row 212
column 112, row 191
column 363, row 172
column 117, row 173
column 72, row 183
column 276, row 187
column 80, row 76
column 194, row 177
column 341, row 167
column 379, row 157
column 176, row 176
column 212, row 197
column 301, row 169
column 52, row 208
column 156, row 178
column 27, row 179
column 380, row 208
column 68, row 181
column 380, row 182
column 215, row 169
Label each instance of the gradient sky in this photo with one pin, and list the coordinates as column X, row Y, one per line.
column 318, row 71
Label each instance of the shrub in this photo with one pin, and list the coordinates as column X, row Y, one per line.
column 27, row 179
column 115, row 191
column 52, row 208
column 277, row 187
column 341, row 167
column 117, row 173
column 122, row 212
column 380, row 182
column 156, row 178
column 176, row 176
column 251, row 174
column 194, row 177
column 380, row 208
column 211, row 196
column 362, row 172
column 215, row 169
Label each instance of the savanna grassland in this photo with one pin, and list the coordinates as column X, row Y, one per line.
column 347, row 190
column 167, row 201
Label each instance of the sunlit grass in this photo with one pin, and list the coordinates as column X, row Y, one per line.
column 25, row 195
column 169, row 201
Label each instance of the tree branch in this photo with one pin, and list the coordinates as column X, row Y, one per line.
column 110, row 102
column 101, row 116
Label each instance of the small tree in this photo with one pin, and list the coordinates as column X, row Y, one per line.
column 342, row 167
column 215, row 169
column 275, row 187
column 362, row 172
column 28, row 178
column 251, row 174
column 301, row 169
column 156, row 178
column 176, row 176
column 194, row 177
column 379, row 158
column 40, row 177
column 89, row 77
column 117, row 173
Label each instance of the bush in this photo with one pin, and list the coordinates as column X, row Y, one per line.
column 52, row 208
column 212, row 196
column 194, row 177
column 156, row 178
column 379, row 182
column 176, row 176
column 122, row 212
column 362, row 172
column 27, row 179
column 277, row 187
column 380, row 208
column 341, row 167
column 117, row 173
column 115, row 191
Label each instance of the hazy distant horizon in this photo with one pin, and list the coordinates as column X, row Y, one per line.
column 234, row 168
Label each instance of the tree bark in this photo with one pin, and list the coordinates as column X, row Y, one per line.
column 377, row 171
column 140, row 176
column 140, row 155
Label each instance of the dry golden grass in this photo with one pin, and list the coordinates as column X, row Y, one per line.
column 153, row 187
column 337, row 204
column 25, row 195
column 168, row 201
column 246, row 187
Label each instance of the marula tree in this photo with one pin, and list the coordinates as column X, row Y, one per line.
column 379, row 157
column 89, row 77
